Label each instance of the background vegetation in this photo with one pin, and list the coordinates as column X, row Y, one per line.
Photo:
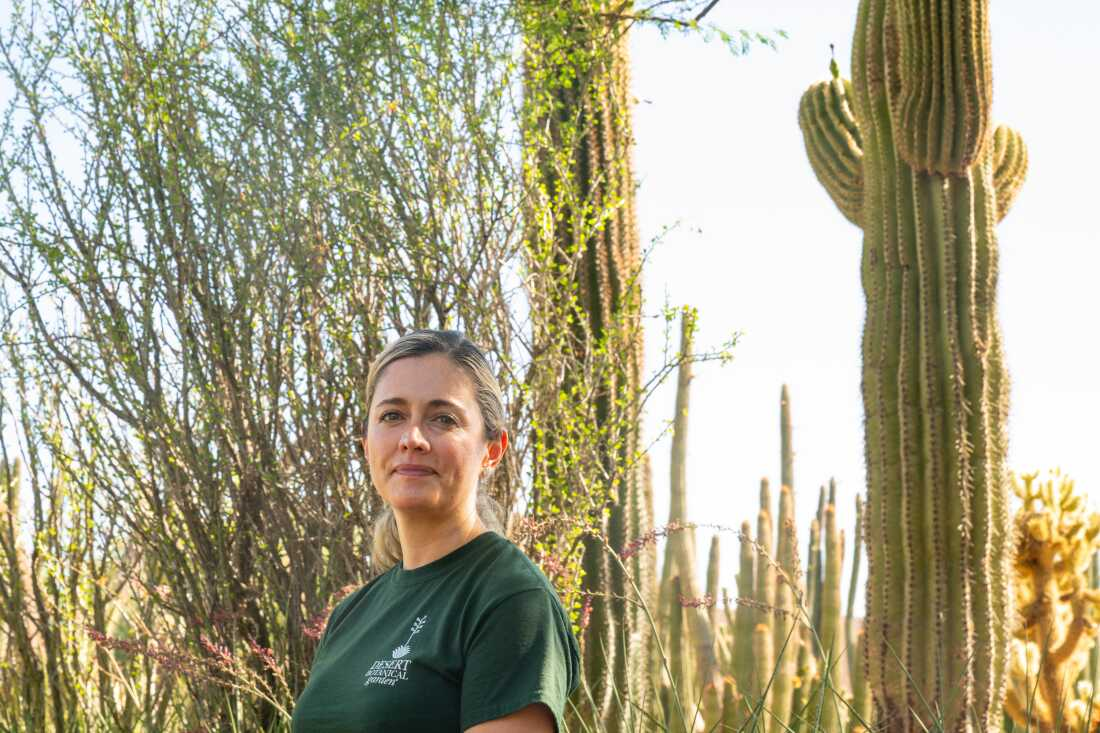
column 214, row 215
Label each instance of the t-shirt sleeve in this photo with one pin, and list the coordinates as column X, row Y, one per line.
column 520, row 652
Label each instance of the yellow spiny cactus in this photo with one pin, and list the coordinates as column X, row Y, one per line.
column 1056, row 537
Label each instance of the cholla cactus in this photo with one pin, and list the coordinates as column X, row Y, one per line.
column 1055, row 541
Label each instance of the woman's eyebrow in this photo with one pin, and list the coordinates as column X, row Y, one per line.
column 400, row 401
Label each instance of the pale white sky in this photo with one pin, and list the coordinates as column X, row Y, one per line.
column 762, row 250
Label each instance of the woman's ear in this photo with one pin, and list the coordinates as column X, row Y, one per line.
column 494, row 451
column 361, row 440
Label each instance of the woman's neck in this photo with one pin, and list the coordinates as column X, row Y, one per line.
column 423, row 543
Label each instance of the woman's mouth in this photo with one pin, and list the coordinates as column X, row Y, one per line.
column 407, row 469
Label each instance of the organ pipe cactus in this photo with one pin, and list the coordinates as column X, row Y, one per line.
column 744, row 621
column 813, row 573
column 1058, row 610
column 673, row 689
column 860, row 716
column 765, row 572
column 854, row 660
column 714, row 559
column 785, row 622
column 786, row 636
column 763, row 655
column 786, row 450
column 908, row 153
column 680, row 548
column 830, row 632
column 772, row 594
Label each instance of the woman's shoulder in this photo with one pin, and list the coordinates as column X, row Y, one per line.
column 505, row 569
column 509, row 558
column 353, row 599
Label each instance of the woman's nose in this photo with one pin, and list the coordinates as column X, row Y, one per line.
column 413, row 439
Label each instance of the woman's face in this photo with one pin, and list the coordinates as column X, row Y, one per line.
column 425, row 441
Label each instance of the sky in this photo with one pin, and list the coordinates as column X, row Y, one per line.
column 760, row 249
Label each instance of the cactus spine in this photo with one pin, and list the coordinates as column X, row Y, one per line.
column 934, row 385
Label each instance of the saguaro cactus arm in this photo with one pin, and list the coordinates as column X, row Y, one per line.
column 1009, row 167
column 940, row 82
column 833, row 144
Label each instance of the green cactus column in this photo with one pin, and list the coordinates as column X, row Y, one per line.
column 908, row 153
column 680, row 552
column 583, row 261
column 744, row 619
column 786, row 625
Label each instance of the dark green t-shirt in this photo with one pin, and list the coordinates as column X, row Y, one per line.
column 475, row 635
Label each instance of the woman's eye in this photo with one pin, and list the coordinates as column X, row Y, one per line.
column 388, row 416
column 447, row 419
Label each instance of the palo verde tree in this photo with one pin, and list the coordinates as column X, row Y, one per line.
column 212, row 217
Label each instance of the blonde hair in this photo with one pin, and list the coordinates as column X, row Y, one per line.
column 385, row 541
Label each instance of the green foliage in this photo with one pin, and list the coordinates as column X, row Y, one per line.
column 214, row 217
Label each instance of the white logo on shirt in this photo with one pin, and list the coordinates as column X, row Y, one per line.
column 404, row 648
column 391, row 671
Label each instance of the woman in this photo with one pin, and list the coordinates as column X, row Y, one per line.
column 463, row 632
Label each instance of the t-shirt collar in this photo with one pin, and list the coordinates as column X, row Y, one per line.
column 402, row 577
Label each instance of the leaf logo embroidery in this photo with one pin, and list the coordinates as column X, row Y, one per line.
column 404, row 648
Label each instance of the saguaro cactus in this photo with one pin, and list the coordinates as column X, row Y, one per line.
column 907, row 152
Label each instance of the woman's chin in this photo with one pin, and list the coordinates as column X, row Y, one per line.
column 413, row 501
